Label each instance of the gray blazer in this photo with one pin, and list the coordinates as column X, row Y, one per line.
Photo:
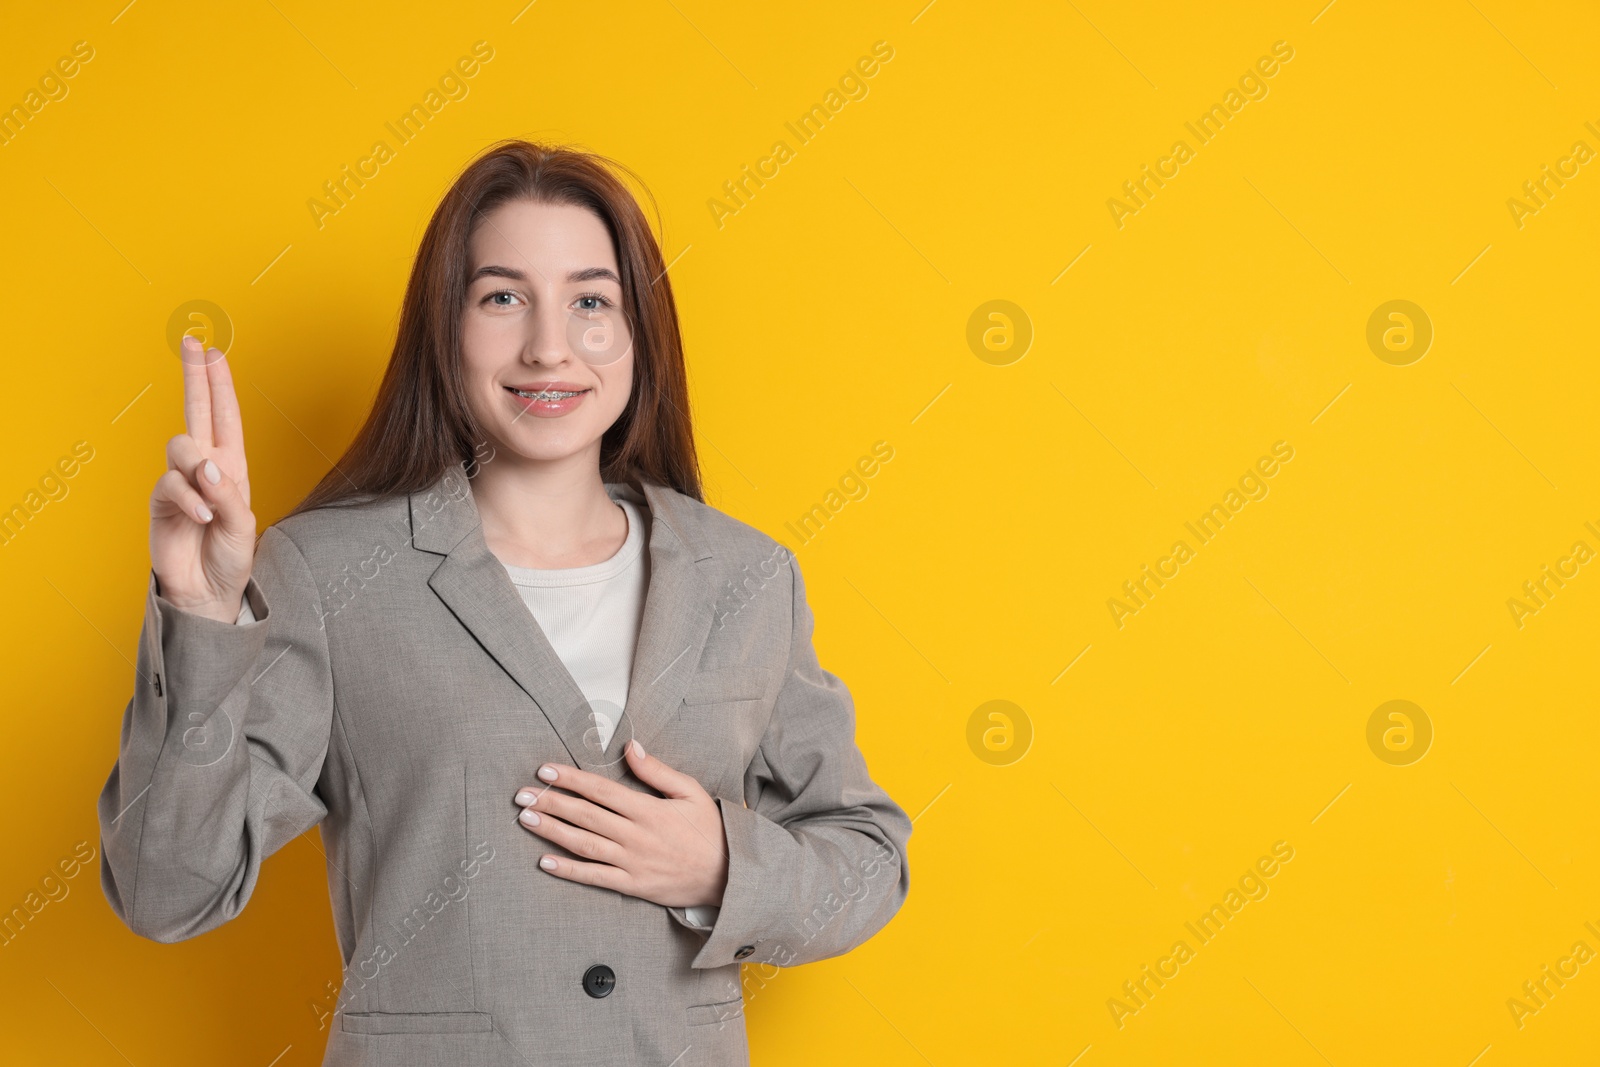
column 395, row 690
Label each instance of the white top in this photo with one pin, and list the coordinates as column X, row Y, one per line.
column 591, row 616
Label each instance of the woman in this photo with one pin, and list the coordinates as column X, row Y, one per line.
column 561, row 723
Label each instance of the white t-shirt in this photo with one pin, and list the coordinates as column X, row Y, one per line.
column 591, row 616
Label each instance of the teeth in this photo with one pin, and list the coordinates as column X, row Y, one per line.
column 544, row 394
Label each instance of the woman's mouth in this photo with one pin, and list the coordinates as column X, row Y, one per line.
column 545, row 394
column 548, row 402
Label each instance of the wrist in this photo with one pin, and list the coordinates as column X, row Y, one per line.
column 716, row 889
column 220, row 610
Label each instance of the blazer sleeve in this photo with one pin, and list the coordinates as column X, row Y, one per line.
column 221, row 749
column 816, row 860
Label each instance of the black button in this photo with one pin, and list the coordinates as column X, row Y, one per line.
column 599, row 980
column 744, row 950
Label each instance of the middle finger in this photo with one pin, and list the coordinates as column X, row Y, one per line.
column 614, row 795
column 196, row 391
column 576, row 840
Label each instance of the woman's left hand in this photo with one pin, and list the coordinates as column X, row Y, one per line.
column 666, row 849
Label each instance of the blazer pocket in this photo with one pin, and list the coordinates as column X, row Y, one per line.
column 415, row 1022
column 727, row 1011
column 727, row 684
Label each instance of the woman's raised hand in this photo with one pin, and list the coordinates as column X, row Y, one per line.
column 202, row 531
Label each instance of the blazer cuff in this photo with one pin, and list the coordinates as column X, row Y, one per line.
column 205, row 656
column 756, row 901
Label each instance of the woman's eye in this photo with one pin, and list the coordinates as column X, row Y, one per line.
column 592, row 302
column 494, row 298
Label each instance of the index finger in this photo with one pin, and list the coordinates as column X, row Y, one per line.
column 603, row 791
column 196, row 392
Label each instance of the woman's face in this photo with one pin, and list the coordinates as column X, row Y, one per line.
column 544, row 319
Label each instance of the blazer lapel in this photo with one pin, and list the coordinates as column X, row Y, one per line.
column 678, row 613
column 474, row 585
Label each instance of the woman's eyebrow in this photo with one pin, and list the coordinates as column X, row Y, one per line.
column 588, row 274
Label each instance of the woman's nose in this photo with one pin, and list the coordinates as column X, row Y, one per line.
column 547, row 340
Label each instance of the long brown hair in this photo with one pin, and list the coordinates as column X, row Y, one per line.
column 421, row 425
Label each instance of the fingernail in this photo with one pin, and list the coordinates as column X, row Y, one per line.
column 213, row 475
column 638, row 749
column 525, row 798
column 547, row 773
column 548, row 863
column 203, row 512
column 530, row 817
column 191, row 342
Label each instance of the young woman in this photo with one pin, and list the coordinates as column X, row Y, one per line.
column 561, row 723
